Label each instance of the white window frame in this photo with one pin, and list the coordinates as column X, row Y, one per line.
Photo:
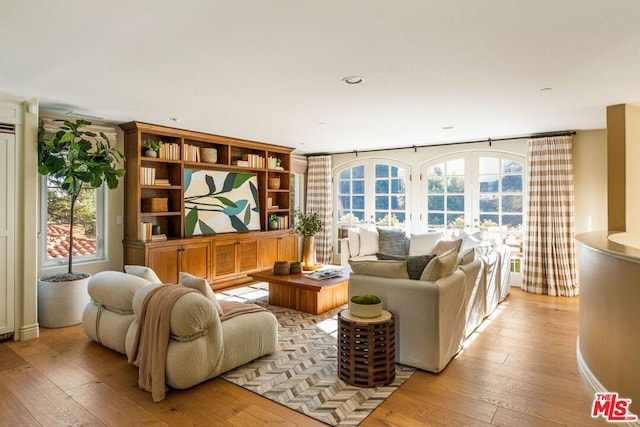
column 101, row 229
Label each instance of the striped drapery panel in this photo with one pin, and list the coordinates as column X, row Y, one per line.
column 319, row 200
column 549, row 252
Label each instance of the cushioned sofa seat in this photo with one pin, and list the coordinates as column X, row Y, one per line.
column 430, row 315
column 201, row 345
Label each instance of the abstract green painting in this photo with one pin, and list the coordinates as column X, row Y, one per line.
column 220, row 202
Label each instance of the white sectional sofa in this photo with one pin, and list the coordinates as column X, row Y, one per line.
column 433, row 317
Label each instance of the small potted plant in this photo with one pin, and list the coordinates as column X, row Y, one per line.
column 152, row 147
column 273, row 222
column 307, row 225
column 366, row 306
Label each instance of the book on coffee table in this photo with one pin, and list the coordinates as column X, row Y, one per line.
column 324, row 274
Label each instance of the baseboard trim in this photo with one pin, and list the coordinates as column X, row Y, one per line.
column 28, row 332
column 593, row 381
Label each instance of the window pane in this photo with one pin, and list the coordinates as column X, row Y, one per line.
column 436, row 185
column 488, row 220
column 455, row 167
column 357, row 187
column 488, row 203
column 345, row 174
column 489, row 165
column 345, row 187
column 455, row 184
column 58, row 227
column 345, row 202
column 455, row 203
column 397, row 186
column 435, row 203
column 357, row 202
column 382, row 202
column 512, row 183
column 435, row 219
column 511, row 166
column 436, row 170
column 455, row 220
column 489, row 184
column 359, row 215
column 512, row 203
column 401, row 217
column 382, row 186
column 382, row 171
column 357, row 172
column 397, row 202
column 512, row 220
column 394, row 172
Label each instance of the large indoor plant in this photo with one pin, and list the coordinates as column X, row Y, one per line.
column 307, row 225
column 76, row 158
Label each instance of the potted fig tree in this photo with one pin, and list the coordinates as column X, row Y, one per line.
column 76, row 158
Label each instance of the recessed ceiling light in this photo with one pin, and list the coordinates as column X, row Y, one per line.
column 545, row 89
column 353, row 80
column 322, row 123
column 447, row 127
column 174, row 119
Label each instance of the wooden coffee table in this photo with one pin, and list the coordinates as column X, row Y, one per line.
column 301, row 293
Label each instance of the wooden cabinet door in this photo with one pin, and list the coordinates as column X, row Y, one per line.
column 288, row 247
column 164, row 261
column 194, row 259
column 247, row 252
column 224, row 258
column 269, row 252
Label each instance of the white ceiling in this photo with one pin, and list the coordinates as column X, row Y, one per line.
column 271, row 70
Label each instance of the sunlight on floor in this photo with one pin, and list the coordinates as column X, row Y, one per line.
column 485, row 323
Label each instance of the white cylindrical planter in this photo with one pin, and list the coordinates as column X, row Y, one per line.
column 61, row 304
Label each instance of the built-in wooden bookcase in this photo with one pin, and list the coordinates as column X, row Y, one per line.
column 154, row 193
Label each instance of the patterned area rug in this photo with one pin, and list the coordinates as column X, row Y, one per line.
column 302, row 374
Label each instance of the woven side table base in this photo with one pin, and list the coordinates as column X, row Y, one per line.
column 366, row 349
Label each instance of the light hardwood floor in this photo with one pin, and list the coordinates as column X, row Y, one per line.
column 520, row 370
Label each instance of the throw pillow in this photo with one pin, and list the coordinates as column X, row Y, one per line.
column 440, row 266
column 415, row 264
column 424, row 244
column 392, row 242
column 368, row 241
column 144, row 272
column 446, row 245
column 354, row 241
column 200, row 284
column 466, row 257
column 389, row 269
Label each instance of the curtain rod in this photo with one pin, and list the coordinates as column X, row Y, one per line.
column 444, row 144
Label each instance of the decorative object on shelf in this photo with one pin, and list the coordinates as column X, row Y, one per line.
column 307, row 225
column 152, row 147
column 366, row 306
column 281, row 268
column 209, row 155
column 295, row 267
column 274, row 183
column 219, row 202
column 75, row 158
column 155, row 204
column 273, row 222
column 278, row 162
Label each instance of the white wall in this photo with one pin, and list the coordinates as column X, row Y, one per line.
column 590, row 180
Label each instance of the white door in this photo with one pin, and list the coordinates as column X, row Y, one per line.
column 7, row 232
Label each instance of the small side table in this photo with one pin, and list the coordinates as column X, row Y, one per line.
column 366, row 349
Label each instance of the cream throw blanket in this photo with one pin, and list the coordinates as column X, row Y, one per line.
column 152, row 338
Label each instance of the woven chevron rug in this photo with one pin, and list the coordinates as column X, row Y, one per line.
column 302, row 374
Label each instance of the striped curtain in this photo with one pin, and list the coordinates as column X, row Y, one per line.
column 319, row 199
column 549, row 251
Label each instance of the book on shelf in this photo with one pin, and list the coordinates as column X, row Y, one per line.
column 241, row 163
column 158, row 237
column 254, row 160
column 324, row 274
column 169, row 151
column 162, row 182
column 190, row 153
column 147, row 175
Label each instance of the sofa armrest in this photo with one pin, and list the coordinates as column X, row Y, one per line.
column 345, row 252
column 430, row 316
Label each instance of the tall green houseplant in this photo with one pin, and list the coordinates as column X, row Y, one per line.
column 77, row 158
column 307, row 225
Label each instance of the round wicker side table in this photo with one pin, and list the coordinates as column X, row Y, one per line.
column 366, row 349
